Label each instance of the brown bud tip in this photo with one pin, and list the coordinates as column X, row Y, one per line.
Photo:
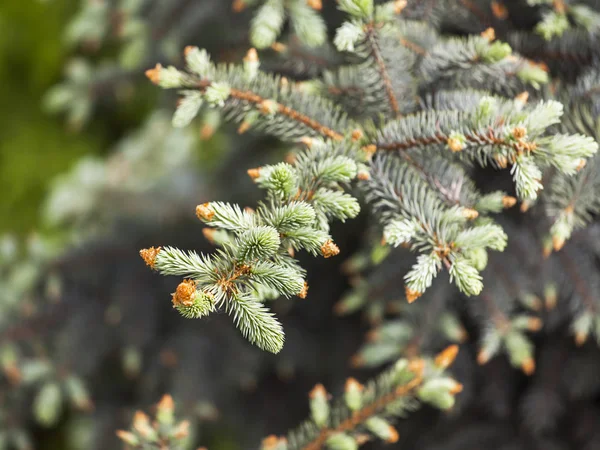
column 362, row 438
column 254, row 173
column 456, row 388
column 399, row 6
column 189, row 49
column 304, row 292
column 370, row 149
column 581, row 165
column 128, row 437
column 483, row 357
column 550, row 302
column 508, row 201
column 528, row 366
column 373, row 335
column 291, row 251
column 522, row 97
column 290, row 158
column 455, row 145
column 470, row 213
column 502, row 161
column 363, row 175
column 238, row 6
column 284, row 81
column 525, row 206
column 416, row 366
column 182, row 430
column 307, row 141
column 519, row 132
column 489, row 34
column 166, row 403
column 278, row 47
column 209, row 234
column 271, row 442
column 557, row 243
column 315, row 4
column 499, row 10
column 445, row 358
column 357, row 134
column 206, row 132
column 534, row 324
column 352, row 384
column 205, row 212
column 580, row 338
column 411, row 295
column 357, row 361
column 154, row 74
column 149, row 255
column 184, row 294
column 318, row 391
column 244, row 126
column 267, row 106
column 140, row 421
column 251, row 56
column 393, row 435
column 329, row 249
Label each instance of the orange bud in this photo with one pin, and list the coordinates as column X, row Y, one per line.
column 184, row 294
column 154, row 74
column 149, row 255
column 205, row 212
column 508, row 201
column 446, row 357
column 489, row 34
column 499, row 10
column 411, row 295
column 304, row 292
column 254, row 173
column 329, row 249
column 528, row 366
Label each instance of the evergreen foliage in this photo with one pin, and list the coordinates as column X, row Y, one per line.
column 429, row 120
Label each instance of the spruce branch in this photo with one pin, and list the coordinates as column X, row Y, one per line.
column 366, row 411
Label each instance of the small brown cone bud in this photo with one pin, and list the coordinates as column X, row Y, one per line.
column 251, row 56
column 267, row 107
column 411, row 295
column 456, row 388
column 315, row 4
column 154, row 74
column 278, row 47
column 352, row 384
column 370, row 149
column 307, row 141
column 499, row 10
column 455, row 145
column 291, row 251
column 489, row 34
column 558, row 243
column 470, row 213
column 528, row 366
column 209, row 234
column 149, row 255
column 244, row 126
column 205, row 212
column 254, row 173
column 580, row 338
column 399, row 6
column 483, row 357
column 357, row 134
column 446, row 357
column 182, row 430
column 128, row 437
column 184, row 294
column 141, row 424
column 394, row 436
column 290, row 158
column 363, row 175
column 534, row 324
column 304, row 292
column 519, row 132
column 522, row 97
column 166, row 403
column 189, row 49
column 329, row 249
column 206, row 132
column 357, row 361
column 581, row 165
column 238, row 6
column 502, row 161
column 525, row 206
column 508, row 201
column 271, row 442
column 318, row 391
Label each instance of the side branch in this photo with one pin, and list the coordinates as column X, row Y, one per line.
column 383, row 71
